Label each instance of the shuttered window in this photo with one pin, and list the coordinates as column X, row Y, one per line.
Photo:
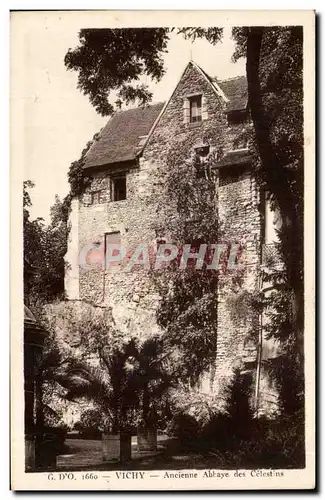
column 195, row 109
column 186, row 110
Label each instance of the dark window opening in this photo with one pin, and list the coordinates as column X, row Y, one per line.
column 195, row 109
column 196, row 243
column 237, row 117
column 202, row 151
column 95, row 197
column 202, row 167
column 161, row 241
column 250, row 365
column 118, row 188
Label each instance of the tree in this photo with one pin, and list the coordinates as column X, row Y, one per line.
column 275, row 89
column 76, row 175
column 33, row 246
column 44, row 251
column 111, row 62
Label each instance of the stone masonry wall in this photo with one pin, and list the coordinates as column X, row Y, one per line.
column 239, row 213
column 238, row 201
column 131, row 294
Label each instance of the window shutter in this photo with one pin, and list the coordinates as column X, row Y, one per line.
column 186, row 110
column 204, row 108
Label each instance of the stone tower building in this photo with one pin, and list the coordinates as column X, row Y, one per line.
column 120, row 206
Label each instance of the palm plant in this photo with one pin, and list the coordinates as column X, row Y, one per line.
column 106, row 385
column 128, row 380
column 123, row 376
column 151, row 377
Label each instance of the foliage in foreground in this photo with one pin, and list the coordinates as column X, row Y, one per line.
column 45, row 246
column 44, row 249
column 236, row 438
column 122, row 376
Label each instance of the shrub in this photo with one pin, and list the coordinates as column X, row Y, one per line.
column 185, row 428
column 273, row 444
column 240, row 423
column 91, row 424
column 49, row 443
column 215, row 434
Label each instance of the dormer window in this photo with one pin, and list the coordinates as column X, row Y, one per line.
column 195, row 109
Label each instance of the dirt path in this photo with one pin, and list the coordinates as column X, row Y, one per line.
column 87, row 453
column 82, row 452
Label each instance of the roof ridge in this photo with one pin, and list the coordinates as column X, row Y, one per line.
column 119, row 138
column 230, row 78
column 151, row 105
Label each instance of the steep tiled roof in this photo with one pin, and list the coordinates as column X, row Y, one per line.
column 236, row 91
column 120, row 138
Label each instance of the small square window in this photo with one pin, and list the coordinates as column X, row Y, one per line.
column 195, row 109
column 202, row 150
column 237, row 117
column 95, row 197
column 118, row 188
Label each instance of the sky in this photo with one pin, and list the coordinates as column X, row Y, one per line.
column 58, row 118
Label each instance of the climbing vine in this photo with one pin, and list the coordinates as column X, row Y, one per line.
column 77, row 179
